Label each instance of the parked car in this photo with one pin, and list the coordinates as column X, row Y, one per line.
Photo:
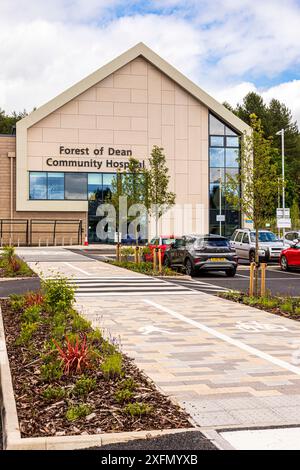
column 290, row 237
column 197, row 253
column 290, row 257
column 269, row 248
column 163, row 242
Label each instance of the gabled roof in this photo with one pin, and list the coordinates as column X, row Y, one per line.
column 142, row 50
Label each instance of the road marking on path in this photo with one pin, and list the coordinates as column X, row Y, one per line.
column 78, row 269
column 227, row 339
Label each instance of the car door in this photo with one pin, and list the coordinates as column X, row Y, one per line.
column 177, row 251
column 245, row 246
column 293, row 255
column 237, row 244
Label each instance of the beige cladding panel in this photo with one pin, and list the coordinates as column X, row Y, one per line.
column 133, row 109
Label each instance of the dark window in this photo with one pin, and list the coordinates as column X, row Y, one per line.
column 37, row 185
column 107, row 184
column 95, row 186
column 239, row 237
column 76, row 186
column 216, row 242
column 245, row 238
column 56, row 186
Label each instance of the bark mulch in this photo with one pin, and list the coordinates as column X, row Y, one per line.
column 41, row 417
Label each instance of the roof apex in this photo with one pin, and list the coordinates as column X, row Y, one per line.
column 140, row 49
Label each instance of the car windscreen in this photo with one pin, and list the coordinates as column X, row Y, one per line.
column 211, row 242
column 264, row 237
column 167, row 241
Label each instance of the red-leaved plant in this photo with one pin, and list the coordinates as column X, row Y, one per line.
column 74, row 357
column 34, row 298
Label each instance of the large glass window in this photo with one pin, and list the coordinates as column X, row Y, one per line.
column 38, row 185
column 95, row 186
column 56, row 186
column 224, row 154
column 107, row 184
column 76, row 186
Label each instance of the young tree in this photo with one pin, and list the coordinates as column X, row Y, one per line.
column 158, row 198
column 258, row 179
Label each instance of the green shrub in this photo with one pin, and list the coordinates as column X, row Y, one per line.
column 54, row 393
column 112, row 366
column 95, row 335
column 17, row 303
column 31, row 314
column 138, row 409
column 129, row 383
column 80, row 324
column 127, row 252
column 58, row 332
column 79, row 411
column 84, row 386
column 51, row 371
column 59, row 294
column 267, row 302
column 287, row 306
column 26, row 333
column 123, row 396
column 297, row 311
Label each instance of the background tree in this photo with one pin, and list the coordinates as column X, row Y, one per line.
column 275, row 116
column 258, row 179
column 7, row 122
column 158, row 197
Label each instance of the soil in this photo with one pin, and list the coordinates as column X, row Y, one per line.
column 41, row 417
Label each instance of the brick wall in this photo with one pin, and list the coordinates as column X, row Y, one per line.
column 8, row 145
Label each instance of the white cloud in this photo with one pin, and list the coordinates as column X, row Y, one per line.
column 224, row 45
column 288, row 93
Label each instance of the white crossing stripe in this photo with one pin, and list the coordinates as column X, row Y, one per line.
column 200, row 285
column 115, row 286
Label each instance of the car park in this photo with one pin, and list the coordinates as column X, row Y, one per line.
column 269, row 245
column 290, row 237
column 290, row 257
column 195, row 253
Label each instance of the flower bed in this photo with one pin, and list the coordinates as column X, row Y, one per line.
column 68, row 379
column 12, row 266
column 145, row 268
column 285, row 306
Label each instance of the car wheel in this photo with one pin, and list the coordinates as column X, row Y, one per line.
column 284, row 263
column 230, row 272
column 252, row 256
column 189, row 268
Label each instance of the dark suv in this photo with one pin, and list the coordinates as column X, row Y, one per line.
column 202, row 253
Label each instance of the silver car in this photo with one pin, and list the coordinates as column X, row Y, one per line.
column 269, row 248
column 290, row 237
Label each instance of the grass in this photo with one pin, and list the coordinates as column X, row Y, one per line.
column 288, row 306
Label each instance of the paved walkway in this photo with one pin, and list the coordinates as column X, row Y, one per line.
column 229, row 365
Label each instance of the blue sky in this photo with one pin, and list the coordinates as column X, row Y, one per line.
column 227, row 47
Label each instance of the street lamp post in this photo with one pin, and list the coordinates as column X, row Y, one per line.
column 281, row 132
column 220, row 204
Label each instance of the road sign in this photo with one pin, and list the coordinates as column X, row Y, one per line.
column 220, row 218
column 283, row 214
column 284, row 223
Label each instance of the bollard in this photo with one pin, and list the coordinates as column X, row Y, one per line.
column 39, row 242
column 47, row 242
column 139, row 255
column 154, row 259
column 251, row 280
column 263, row 279
column 71, row 241
column 118, row 251
column 63, row 241
column 136, row 255
column 159, row 261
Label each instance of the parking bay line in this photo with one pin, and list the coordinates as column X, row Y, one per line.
column 78, row 269
column 227, row 339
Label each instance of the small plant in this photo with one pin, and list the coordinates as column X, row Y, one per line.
column 17, row 302
column 51, row 371
column 129, row 383
column 31, row 314
column 34, row 298
column 79, row 411
column 59, row 294
column 80, row 324
column 112, row 366
column 297, row 311
column 287, row 306
column 127, row 252
column 95, row 336
column 138, row 409
column 74, row 357
column 27, row 330
column 54, row 393
column 123, row 396
column 84, row 386
column 9, row 252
